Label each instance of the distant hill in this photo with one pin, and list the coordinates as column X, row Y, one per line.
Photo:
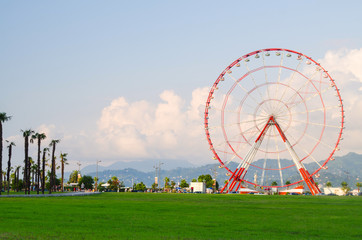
column 143, row 165
column 346, row 168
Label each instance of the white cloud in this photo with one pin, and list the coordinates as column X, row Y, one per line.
column 346, row 62
column 345, row 67
column 170, row 129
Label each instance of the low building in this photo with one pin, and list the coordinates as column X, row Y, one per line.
column 244, row 190
column 297, row 190
column 198, row 187
column 331, row 190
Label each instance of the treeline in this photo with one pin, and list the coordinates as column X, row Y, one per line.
column 35, row 175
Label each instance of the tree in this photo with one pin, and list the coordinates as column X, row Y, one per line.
column 274, row 183
column 87, row 181
column 53, row 144
column 184, row 184
column 358, row 185
column 329, row 185
column 17, row 184
column 194, row 180
column 207, row 179
column 3, row 118
column 140, row 187
column 73, row 177
column 64, row 161
column 167, row 182
column 101, row 187
column 10, row 147
column 3, row 179
column 33, row 169
column 345, row 187
column 26, row 135
column 114, row 183
column 56, row 181
column 45, row 150
column 173, row 184
column 154, row 186
column 39, row 137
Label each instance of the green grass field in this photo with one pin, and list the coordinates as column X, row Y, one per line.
column 181, row 216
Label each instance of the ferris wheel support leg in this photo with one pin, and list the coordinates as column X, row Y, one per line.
column 243, row 167
column 240, row 181
column 310, row 182
column 222, row 190
column 233, row 180
column 308, row 179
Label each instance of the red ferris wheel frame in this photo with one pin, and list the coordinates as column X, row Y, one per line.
column 305, row 175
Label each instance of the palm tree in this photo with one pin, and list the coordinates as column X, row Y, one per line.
column 38, row 137
column 167, row 180
column 274, row 183
column 3, row 118
column 3, row 178
column 16, row 178
column 329, row 185
column 287, row 183
column 173, row 184
column 53, row 144
column 11, row 144
column 63, row 161
column 26, row 135
column 45, row 150
column 33, row 168
column 358, row 185
column 345, row 187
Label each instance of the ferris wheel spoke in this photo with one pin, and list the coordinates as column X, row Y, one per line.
column 279, row 75
column 242, row 88
column 319, row 141
column 262, row 118
column 252, row 77
column 266, row 76
column 290, row 80
column 304, row 150
column 231, row 111
column 223, row 110
column 297, row 92
column 255, row 85
column 265, row 159
column 278, row 156
column 281, row 111
column 313, row 110
column 236, row 154
column 317, row 124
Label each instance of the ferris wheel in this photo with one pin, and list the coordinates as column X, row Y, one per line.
column 274, row 117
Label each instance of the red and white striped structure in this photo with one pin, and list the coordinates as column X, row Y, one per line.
column 267, row 108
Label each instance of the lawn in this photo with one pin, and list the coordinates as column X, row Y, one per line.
column 181, row 216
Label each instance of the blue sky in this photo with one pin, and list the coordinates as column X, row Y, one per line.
column 63, row 63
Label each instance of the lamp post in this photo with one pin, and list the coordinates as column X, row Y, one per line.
column 159, row 172
column 98, row 161
column 78, row 177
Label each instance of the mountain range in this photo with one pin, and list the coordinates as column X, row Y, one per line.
column 345, row 168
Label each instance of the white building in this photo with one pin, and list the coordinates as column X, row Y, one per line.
column 337, row 191
column 199, row 187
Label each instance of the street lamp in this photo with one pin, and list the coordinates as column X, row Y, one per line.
column 98, row 161
column 159, row 171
